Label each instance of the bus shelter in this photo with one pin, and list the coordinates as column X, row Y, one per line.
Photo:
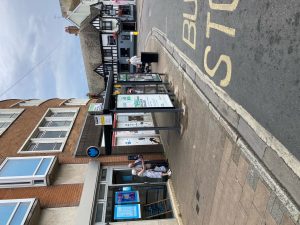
column 133, row 102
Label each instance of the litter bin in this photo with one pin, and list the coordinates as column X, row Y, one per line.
column 149, row 57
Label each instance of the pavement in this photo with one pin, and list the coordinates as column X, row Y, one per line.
column 218, row 176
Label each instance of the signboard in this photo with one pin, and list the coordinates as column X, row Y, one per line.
column 93, row 151
column 103, row 120
column 122, row 197
column 126, row 141
column 144, row 101
column 127, row 212
column 138, row 77
column 95, row 107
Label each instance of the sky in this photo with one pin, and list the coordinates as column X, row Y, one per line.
column 38, row 59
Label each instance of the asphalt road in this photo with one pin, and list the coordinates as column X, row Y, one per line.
column 257, row 45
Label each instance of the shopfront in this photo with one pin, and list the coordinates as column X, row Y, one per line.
column 123, row 197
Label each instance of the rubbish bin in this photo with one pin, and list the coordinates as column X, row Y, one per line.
column 149, row 57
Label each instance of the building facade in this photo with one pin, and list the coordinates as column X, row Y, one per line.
column 43, row 181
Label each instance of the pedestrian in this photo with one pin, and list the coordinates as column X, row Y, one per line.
column 135, row 60
column 138, row 164
column 147, row 169
column 152, row 173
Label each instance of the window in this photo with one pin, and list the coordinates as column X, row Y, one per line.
column 125, row 52
column 107, row 52
column 52, row 132
column 109, row 10
column 125, row 37
column 7, row 117
column 111, row 40
column 15, row 211
column 124, row 67
column 106, row 25
column 128, row 26
column 25, row 171
column 64, row 123
column 77, row 101
column 31, row 102
column 62, row 114
column 125, row 9
column 101, row 202
column 44, row 146
column 151, row 193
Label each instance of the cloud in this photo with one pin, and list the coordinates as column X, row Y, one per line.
column 37, row 42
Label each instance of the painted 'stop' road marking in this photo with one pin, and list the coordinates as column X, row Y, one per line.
column 189, row 36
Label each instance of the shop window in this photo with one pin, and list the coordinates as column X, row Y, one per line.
column 52, row 131
column 125, row 177
column 25, row 171
column 119, row 191
column 15, row 211
column 128, row 26
column 124, row 67
column 125, row 52
column 145, row 201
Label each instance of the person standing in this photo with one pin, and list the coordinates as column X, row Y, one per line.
column 145, row 169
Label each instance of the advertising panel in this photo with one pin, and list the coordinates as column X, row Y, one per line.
column 95, row 107
column 138, row 77
column 103, row 120
column 126, row 141
column 144, row 101
column 122, row 197
column 127, row 212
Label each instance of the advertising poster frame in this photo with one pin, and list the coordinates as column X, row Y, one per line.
column 144, row 101
column 127, row 212
column 139, row 77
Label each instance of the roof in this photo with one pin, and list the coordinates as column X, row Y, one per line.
column 79, row 14
column 91, row 52
column 68, row 5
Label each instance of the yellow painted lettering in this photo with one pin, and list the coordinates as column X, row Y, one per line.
column 227, row 30
column 192, row 17
column 189, row 33
column 211, row 72
column 226, row 7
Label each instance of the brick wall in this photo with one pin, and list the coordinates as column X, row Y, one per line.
column 108, row 160
column 50, row 196
column 15, row 136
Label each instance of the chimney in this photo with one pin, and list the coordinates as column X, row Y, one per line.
column 72, row 30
